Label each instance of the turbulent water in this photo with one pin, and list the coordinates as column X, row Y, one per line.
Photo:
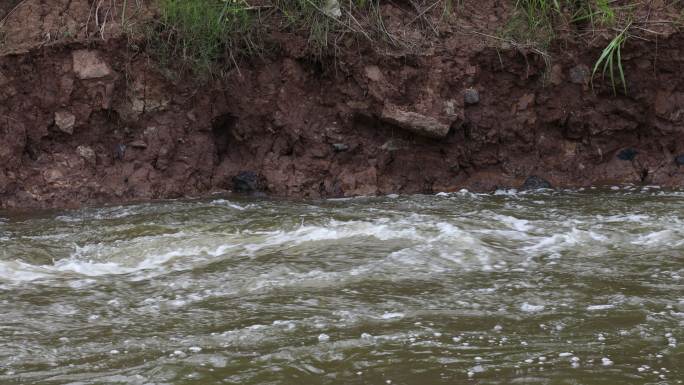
column 581, row 287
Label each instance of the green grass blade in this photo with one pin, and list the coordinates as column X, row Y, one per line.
column 622, row 72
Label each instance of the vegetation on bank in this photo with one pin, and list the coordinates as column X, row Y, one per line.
column 540, row 22
column 202, row 32
column 208, row 35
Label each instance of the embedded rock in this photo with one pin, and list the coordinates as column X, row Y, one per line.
column 87, row 153
column 680, row 160
column 246, row 182
column 627, row 154
column 417, row 123
column 580, row 74
column 535, row 183
column 471, row 96
column 65, row 121
column 340, row 147
column 89, row 65
column 138, row 144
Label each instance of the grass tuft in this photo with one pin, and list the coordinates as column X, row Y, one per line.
column 202, row 34
column 610, row 58
column 206, row 36
column 538, row 20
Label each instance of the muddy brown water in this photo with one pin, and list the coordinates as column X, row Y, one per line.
column 575, row 287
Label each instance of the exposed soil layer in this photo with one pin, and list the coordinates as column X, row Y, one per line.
column 96, row 121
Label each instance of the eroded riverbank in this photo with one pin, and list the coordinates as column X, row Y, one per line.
column 92, row 118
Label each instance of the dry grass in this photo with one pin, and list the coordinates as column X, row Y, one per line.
column 539, row 22
column 209, row 36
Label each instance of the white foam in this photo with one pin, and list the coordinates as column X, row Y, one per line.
column 600, row 307
column 506, row 192
column 529, row 308
column 521, row 225
column 17, row 271
column 668, row 237
column 85, row 262
column 392, row 315
column 223, row 202
column 381, row 229
column 568, row 239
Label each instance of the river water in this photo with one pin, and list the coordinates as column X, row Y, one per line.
column 581, row 287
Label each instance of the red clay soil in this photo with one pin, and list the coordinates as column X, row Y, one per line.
column 97, row 121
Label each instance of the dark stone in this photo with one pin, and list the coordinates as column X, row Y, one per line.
column 471, row 96
column 627, row 154
column 680, row 160
column 340, row 147
column 535, row 183
column 580, row 74
column 120, row 151
column 246, row 182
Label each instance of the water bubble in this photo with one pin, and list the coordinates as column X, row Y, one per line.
column 477, row 369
